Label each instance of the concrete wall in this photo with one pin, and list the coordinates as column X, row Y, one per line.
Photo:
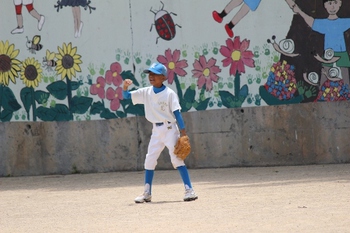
column 262, row 136
column 62, row 112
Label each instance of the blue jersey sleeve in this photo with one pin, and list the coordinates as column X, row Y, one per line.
column 179, row 119
column 126, row 95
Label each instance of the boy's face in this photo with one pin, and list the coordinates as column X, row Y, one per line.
column 333, row 6
column 156, row 80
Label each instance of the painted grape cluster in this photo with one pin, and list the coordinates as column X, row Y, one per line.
column 333, row 91
column 281, row 81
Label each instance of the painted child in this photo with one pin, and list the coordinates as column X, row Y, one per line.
column 75, row 4
column 162, row 109
column 29, row 5
column 246, row 7
column 333, row 29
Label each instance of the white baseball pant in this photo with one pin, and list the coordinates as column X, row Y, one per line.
column 163, row 136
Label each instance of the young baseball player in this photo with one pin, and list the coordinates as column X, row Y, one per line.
column 162, row 109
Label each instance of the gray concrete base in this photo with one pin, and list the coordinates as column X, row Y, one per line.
column 312, row 133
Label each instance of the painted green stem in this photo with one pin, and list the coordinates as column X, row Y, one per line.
column 1, row 91
column 237, row 83
column 69, row 92
column 33, row 103
column 178, row 87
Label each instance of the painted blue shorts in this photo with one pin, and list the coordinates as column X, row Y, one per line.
column 253, row 4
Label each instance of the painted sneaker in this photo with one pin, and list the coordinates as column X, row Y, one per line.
column 190, row 195
column 229, row 31
column 145, row 197
column 217, row 17
column 41, row 22
column 17, row 30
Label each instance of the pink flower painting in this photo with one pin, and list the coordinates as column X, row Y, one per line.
column 99, row 87
column 206, row 72
column 173, row 64
column 114, row 96
column 113, row 75
column 237, row 55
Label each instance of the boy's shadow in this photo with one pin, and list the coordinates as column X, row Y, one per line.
column 157, row 202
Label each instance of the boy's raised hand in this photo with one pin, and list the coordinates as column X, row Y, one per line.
column 126, row 84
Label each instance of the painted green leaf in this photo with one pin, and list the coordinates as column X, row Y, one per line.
column 75, row 85
column 128, row 75
column 6, row 115
column 58, row 113
column 137, row 109
column 227, row 99
column 62, row 113
column 41, row 97
column 125, row 102
column 107, row 114
column 185, row 105
column 121, row 114
column 58, row 89
column 9, row 101
column 26, row 97
column 203, row 105
column 97, row 108
column 45, row 114
column 189, row 95
column 80, row 104
column 244, row 91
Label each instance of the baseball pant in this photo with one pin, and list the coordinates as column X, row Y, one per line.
column 165, row 135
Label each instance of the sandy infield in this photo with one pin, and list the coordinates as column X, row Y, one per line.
column 265, row 199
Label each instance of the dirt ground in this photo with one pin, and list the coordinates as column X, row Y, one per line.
column 269, row 199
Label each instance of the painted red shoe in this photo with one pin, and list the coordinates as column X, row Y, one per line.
column 216, row 17
column 229, row 31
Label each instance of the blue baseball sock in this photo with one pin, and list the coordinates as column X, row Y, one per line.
column 149, row 178
column 185, row 176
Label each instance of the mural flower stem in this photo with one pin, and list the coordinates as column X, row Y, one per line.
column 1, row 91
column 69, row 92
column 31, row 75
column 178, row 87
column 237, row 83
column 33, row 104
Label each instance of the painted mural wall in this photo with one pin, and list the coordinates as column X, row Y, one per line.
column 65, row 60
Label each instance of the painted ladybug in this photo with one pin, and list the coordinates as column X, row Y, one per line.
column 164, row 24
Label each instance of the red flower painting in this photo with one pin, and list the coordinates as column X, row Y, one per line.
column 206, row 72
column 173, row 64
column 237, row 55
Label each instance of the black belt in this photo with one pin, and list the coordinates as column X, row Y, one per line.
column 161, row 123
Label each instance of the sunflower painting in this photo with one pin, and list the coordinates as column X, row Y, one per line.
column 67, row 65
column 9, row 68
column 31, row 74
column 68, row 61
column 9, row 65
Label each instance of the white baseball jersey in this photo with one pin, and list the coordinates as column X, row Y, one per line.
column 158, row 107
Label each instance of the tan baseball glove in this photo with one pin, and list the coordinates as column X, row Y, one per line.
column 182, row 147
